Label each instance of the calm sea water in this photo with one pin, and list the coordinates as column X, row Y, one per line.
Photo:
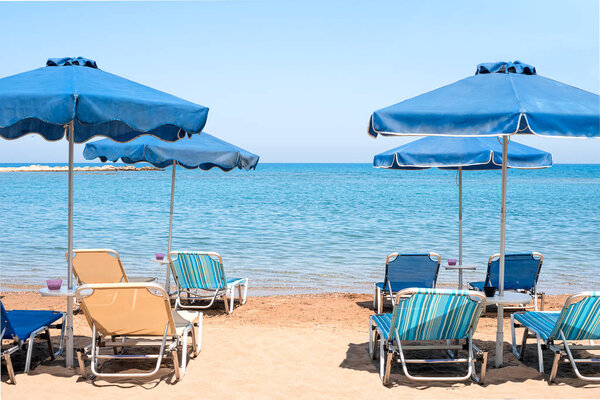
column 306, row 227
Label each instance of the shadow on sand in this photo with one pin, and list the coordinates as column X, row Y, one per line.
column 357, row 358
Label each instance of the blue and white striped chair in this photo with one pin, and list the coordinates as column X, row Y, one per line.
column 442, row 316
column 201, row 276
column 578, row 320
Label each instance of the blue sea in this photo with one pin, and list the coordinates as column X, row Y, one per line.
column 304, row 228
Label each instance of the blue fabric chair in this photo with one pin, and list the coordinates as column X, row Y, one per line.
column 22, row 326
column 198, row 272
column 578, row 320
column 424, row 315
column 521, row 272
column 404, row 271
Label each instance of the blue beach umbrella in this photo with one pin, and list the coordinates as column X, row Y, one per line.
column 461, row 153
column 199, row 151
column 72, row 97
column 502, row 99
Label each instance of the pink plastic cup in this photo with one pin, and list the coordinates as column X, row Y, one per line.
column 54, row 284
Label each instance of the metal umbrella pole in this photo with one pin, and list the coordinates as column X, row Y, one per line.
column 69, row 327
column 460, row 235
column 168, row 279
column 500, row 330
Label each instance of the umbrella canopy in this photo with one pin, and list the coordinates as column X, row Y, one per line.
column 501, row 98
column 72, row 97
column 199, row 151
column 98, row 103
column 467, row 153
column 461, row 153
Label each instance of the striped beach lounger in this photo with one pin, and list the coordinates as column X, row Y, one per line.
column 404, row 271
column 200, row 276
column 579, row 320
column 438, row 319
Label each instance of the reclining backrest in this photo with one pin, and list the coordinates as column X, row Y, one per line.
column 436, row 314
column 579, row 318
column 521, row 271
column 420, row 270
column 10, row 332
column 198, row 270
column 127, row 309
column 98, row 266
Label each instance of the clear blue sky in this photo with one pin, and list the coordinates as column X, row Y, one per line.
column 297, row 81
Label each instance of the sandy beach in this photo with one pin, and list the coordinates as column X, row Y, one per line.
column 301, row 347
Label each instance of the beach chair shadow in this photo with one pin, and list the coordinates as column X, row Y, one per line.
column 41, row 362
column 357, row 358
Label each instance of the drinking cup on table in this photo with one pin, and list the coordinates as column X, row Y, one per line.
column 489, row 291
column 54, row 284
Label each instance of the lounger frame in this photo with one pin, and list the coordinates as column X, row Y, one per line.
column 19, row 344
column 393, row 351
column 168, row 344
column 189, row 298
column 380, row 295
column 562, row 351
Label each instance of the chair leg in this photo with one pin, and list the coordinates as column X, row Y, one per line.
column 385, row 363
column 176, row 364
column 232, row 299
column 245, row 297
column 375, row 297
column 540, row 354
column 483, row 368
column 226, row 303
column 523, row 344
column 30, row 345
column 373, row 335
column 81, row 363
column 115, row 348
column 184, row 348
column 554, row 370
column 62, row 337
column 379, row 301
column 9, row 367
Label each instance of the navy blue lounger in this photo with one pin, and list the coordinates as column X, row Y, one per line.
column 22, row 326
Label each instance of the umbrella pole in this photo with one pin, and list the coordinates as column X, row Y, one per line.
column 500, row 331
column 69, row 327
column 460, row 280
column 168, row 280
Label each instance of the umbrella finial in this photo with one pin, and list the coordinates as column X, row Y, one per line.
column 70, row 61
column 506, row 67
